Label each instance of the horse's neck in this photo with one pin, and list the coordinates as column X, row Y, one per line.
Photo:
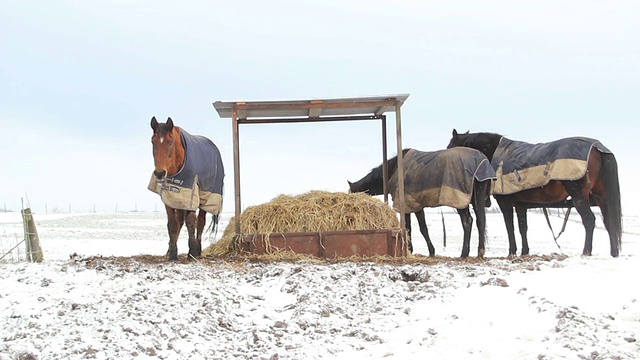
column 179, row 154
column 489, row 145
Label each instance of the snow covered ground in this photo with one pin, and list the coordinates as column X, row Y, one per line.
column 555, row 304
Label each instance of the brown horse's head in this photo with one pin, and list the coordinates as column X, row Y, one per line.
column 168, row 151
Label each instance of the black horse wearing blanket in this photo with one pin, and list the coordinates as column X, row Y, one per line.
column 547, row 175
column 452, row 178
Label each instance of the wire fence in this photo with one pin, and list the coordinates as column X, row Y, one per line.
column 69, row 208
column 12, row 248
column 19, row 237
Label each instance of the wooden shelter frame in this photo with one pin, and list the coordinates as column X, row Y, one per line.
column 317, row 110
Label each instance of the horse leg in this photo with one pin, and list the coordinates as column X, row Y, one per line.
column 423, row 229
column 202, row 220
column 467, row 223
column 506, row 207
column 191, row 221
column 175, row 219
column 479, row 204
column 407, row 225
column 521, row 213
column 580, row 198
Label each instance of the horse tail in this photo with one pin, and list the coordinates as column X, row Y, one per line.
column 213, row 226
column 609, row 170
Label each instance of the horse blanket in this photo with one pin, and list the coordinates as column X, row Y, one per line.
column 199, row 183
column 438, row 178
column 521, row 166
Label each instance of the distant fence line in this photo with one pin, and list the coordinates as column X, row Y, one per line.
column 88, row 207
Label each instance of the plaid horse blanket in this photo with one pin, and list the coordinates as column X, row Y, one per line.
column 438, row 178
column 520, row 166
column 199, row 184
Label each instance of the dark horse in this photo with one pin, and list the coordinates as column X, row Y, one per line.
column 588, row 174
column 188, row 176
column 425, row 174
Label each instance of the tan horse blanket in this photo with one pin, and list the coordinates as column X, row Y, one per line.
column 438, row 178
column 520, row 166
column 199, row 184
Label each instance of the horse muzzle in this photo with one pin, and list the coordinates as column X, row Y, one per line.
column 160, row 175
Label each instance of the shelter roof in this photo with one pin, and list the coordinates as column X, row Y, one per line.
column 314, row 108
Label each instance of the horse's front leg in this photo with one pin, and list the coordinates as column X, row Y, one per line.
column 175, row 219
column 506, row 206
column 202, row 220
column 191, row 221
column 467, row 223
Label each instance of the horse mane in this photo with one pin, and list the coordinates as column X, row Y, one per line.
column 481, row 137
column 372, row 182
column 485, row 142
column 392, row 164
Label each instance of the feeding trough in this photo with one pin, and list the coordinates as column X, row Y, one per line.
column 329, row 244
column 319, row 223
column 389, row 241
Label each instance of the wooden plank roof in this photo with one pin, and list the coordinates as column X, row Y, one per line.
column 314, row 108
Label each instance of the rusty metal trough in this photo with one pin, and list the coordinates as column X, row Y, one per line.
column 327, row 244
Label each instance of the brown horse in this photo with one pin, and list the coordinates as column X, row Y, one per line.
column 547, row 175
column 188, row 176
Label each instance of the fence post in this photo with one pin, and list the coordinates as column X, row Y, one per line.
column 34, row 251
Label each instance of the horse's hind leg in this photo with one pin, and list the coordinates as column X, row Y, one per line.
column 191, row 228
column 407, row 225
column 606, row 192
column 580, row 199
column 423, row 229
column 479, row 204
column 467, row 223
column 523, row 226
column 506, row 207
column 202, row 220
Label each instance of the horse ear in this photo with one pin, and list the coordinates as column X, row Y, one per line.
column 350, row 185
column 455, row 132
column 169, row 124
column 154, row 123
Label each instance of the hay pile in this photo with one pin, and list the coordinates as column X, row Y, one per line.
column 315, row 211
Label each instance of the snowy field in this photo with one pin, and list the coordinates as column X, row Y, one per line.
column 554, row 304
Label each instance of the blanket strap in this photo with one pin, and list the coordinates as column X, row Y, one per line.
column 564, row 225
column 444, row 230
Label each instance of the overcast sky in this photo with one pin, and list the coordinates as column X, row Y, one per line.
column 80, row 81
